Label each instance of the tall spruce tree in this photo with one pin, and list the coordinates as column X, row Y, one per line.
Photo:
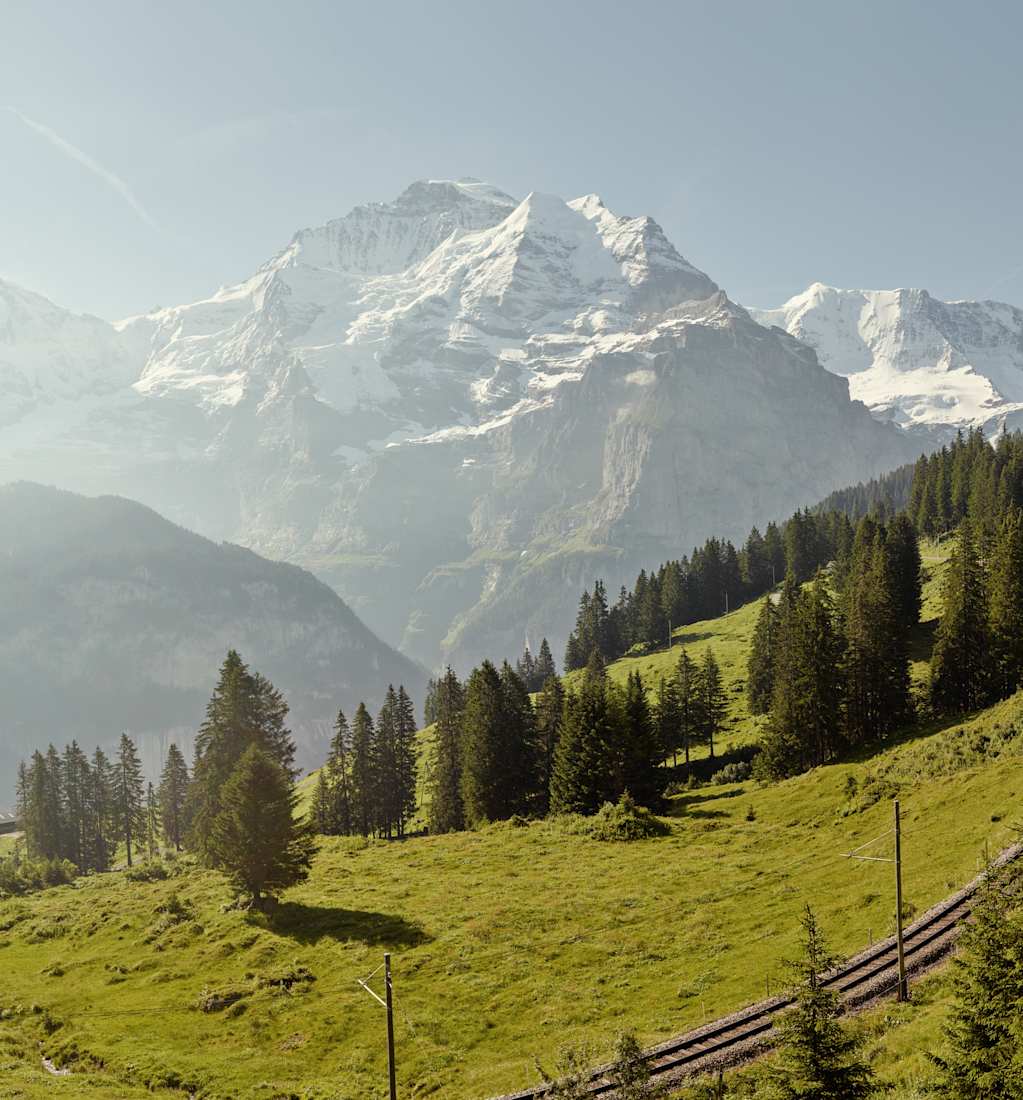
column 544, row 668
column 690, row 703
column 339, row 778
column 405, row 753
column 129, row 792
column 637, row 750
column 582, row 782
column 1006, row 605
column 364, row 772
column 256, row 837
column 172, row 795
column 447, row 813
column 245, row 709
column 760, row 665
column 961, row 659
column 550, row 712
column 482, row 746
column 519, row 757
column 712, row 700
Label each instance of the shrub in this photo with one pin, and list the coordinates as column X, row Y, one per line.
column 736, row 772
column 624, row 820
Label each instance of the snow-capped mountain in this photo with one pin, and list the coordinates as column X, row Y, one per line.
column 913, row 359
column 458, row 408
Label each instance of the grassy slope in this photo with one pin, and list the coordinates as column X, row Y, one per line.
column 507, row 942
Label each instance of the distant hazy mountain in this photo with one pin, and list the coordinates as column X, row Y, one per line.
column 920, row 362
column 113, row 618
column 456, row 407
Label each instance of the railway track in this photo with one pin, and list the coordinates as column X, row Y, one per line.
column 866, row 977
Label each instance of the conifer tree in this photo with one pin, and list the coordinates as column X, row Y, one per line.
column 960, row 663
column 245, row 709
column 544, row 668
column 760, row 666
column 636, row 766
column 550, row 710
column 519, row 766
column 74, row 787
column 102, row 833
column 1006, row 608
column 690, row 703
column 128, row 796
column 321, row 816
column 818, row 1059
column 339, row 778
column 256, row 838
column 983, row 1055
column 172, row 794
column 152, row 825
column 385, row 765
column 581, row 782
column 903, row 550
column 482, row 754
column 666, row 719
column 713, row 703
column 364, row 774
column 447, row 814
column 405, row 758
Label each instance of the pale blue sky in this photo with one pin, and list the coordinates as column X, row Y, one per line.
column 862, row 144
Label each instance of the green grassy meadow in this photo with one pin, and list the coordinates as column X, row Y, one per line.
column 508, row 942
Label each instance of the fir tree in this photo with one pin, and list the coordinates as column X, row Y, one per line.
column 447, row 814
column 102, row 833
column 128, row 796
column 256, row 838
column 760, row 666
column 713, row 705
column 405, row 753
column 984, row 1055
column 339, row 778
column 581, row 782
column 960, row 663
column 818, row 1059
column 1006, row 608
column 690, row 703
column 636, row 767
column 904, row 554
column 321, row 815
column 172, row 794
column 666, row 719
column 364, row 774
column 245, row 709
column 550, row 709
column 74, row 789
column 482, row 755
column 152, row 827
column 544, row 668
column 518, row 762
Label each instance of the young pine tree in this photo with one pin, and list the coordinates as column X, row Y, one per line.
column 171, row 796
column 129, row 793
column 818, row 1058
column 984, row 1056
column 960, row 662
column 256, row 838
column 447, row 814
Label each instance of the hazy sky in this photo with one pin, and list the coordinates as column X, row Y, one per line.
column 151, row 152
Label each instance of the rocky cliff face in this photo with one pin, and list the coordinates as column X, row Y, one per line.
column 458, row 408
column 927, row 365
column 114, row 618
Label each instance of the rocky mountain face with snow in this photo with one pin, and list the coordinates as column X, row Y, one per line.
column 457, row 408
column 114, row 618
column 929, row 366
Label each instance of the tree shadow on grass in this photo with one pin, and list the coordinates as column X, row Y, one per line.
column 311, row 923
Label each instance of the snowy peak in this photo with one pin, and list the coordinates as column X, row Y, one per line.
column 385, row 238
column 911, row 357
column 48, row 354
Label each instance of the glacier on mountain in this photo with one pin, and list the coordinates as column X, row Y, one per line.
column 921, row 362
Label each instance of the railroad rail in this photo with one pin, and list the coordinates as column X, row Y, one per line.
column 859, row 981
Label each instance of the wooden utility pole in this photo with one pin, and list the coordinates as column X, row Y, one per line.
column 903, row 984
column 387, row 1002
column 390, row 1022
